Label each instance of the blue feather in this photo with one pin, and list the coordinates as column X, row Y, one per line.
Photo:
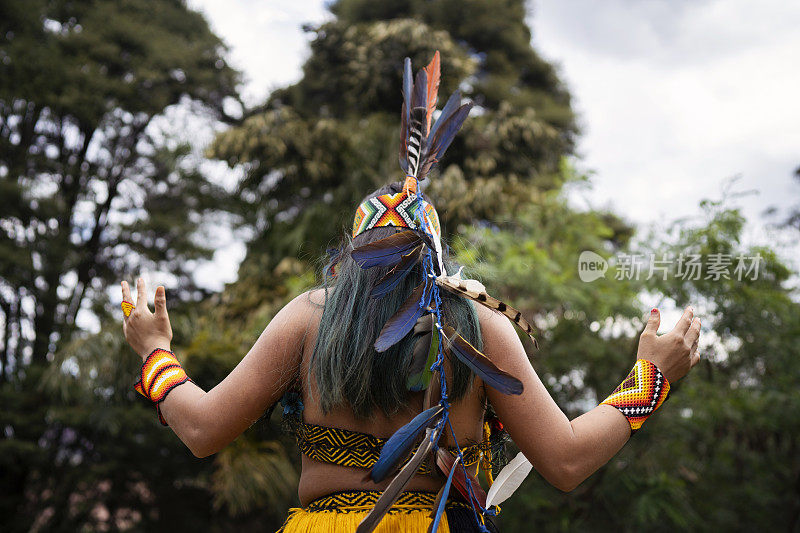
column 407, row 88
column 496, row 378
column 404, row 319
column 444, row 136
column 397, row 274
column 388, row 251
column 400, row 444
column 452, row 104
column 420, row 96
column 442, row 499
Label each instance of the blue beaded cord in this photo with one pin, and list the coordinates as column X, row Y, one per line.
column 438, row 365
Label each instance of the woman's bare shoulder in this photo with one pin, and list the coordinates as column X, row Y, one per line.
column 311, row 301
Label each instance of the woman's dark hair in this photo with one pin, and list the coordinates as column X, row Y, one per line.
column 345, row 365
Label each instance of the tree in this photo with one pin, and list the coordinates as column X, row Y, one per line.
column 316, row 148
column 87, row 192
column 91, row 192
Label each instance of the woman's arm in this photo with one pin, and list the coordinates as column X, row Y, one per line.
column 566, row 452
column 208, row 421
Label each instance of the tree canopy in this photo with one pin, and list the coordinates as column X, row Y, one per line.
column 90, row 193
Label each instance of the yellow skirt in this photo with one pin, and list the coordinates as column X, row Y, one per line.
column 343, row 511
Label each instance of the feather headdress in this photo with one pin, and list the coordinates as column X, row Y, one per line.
column 423, row 142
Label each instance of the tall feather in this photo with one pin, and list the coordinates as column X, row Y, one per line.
column 388, row 282
column 441, row 498
column 403, row 320
column 403, row 156
column 408, row 81
column 417, row 132
column 445, row 134
column 433, row 73
column 508, row 480
column 447, row 463
column 496, row 378
column 400, row 444
column 452, row 104
column 395, row 488
column 475, row 290
column 390, row 250
column 416, row 140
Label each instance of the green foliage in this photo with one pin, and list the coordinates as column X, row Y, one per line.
column 720, row 454
column 88, row 193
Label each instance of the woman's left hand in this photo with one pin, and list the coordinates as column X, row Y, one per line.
column 146, row 331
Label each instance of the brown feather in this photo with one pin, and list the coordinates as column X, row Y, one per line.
column 493, row 376
column 439, row 497
column 395, row 488
column 447, row 462
column 459, row 286
column 434, row 74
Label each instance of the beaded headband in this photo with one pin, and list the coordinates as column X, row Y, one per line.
column 400, row 210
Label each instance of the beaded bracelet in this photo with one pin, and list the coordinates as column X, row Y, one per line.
column 161, row 372
column 640, row 393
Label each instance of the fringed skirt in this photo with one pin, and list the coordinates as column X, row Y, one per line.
column 341, row 512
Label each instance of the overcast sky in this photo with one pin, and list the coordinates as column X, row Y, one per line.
column 674, row 97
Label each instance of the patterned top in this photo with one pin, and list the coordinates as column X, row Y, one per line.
column 344, row 447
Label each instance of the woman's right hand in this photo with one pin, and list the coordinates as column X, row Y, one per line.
column 674, row 353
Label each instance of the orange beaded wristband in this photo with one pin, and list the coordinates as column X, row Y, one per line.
column 640, row 394
column 161, row 372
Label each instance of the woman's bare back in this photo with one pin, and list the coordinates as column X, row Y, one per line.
column 319, row 479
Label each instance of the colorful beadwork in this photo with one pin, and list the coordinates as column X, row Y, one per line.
column 640, row 394
column 161, row 372
column 344, row 447
column 398, row 210
column 127, row 307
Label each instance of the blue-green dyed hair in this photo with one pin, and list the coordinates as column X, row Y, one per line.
column 346, row 367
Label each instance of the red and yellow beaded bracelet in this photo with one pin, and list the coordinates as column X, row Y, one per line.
column 640, row 393
column 161, row 372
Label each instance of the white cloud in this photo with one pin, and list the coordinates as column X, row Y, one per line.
column 676, row 97
column 266, row 39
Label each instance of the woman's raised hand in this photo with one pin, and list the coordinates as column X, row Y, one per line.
column 674, row 353
column 146, row 331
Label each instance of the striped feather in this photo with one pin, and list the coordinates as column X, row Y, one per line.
column 496, row 378
column 474, row 290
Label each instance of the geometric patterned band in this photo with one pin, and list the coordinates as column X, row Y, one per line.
column 396, row 210
column 354, row 501
column 640, row 394
column 354, row 449
column 161, row 372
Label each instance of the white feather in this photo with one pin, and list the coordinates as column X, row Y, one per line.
column 508, row 480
